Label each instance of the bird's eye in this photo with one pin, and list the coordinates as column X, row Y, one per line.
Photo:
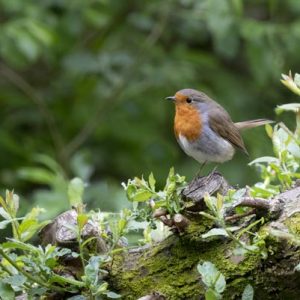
column 189, row 100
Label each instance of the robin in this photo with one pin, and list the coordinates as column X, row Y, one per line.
column 204, row 129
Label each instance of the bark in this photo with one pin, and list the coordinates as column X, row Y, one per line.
column 168, row 270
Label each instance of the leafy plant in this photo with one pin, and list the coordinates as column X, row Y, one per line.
column 280, row 171
column 216, row 206
column 147, row 199
column 215, row 282
column 25, row 227
column 291, row 83
column 213, row 279
column 140, row 190
column 37, row 270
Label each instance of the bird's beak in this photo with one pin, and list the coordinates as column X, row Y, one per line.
column 172, row 98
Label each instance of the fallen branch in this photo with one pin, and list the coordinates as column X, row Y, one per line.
column 169, row 268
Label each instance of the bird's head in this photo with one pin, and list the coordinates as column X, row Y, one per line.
column 189, row 98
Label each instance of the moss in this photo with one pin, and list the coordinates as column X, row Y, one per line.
column 235, row 288
column 293, row 224
column 197, row 227
column 170, row 269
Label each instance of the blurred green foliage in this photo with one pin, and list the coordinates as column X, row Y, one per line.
column 82, row 84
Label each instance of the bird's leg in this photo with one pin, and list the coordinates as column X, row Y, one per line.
column 214, row 169
column 201, row 168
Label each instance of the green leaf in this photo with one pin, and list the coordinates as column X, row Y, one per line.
column 294, row 148
column 75, row 191
column 269, row 130
column 288, row 107
column 3, row 224
column 102, row 289
column 142, row 196
column 4, row 214
column 130, row 191
column 152, row 181
column 48, row 162
column 34, row 213
column 12, row 201
column 233, row 228
column 65, row 280
column 122, row 225
column 219, row 203
column 6, row 291
column 211, row 277
column 265, row 159
column 87, row 241
column 91, row 270
column 16, row 280
column 220, row 283
column 208, row 216
column 3, row 203
column 78, row 297
column 248, row 293
column 82, row 219
column 210, row 202
column 210, row 294
column 171, row 173
column 113, row 295
column 28, row 228
column 297, row 79
column 37, row 291
column 37, row 175
column 14, row 244
column 264, row 192
column 238, row 194
column 40, row 31
column 297, row 268
column 215, row 232
column 27, row 225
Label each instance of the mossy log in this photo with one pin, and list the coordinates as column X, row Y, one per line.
column 168, row 270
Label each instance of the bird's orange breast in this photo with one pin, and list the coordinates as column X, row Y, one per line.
column 187, row 122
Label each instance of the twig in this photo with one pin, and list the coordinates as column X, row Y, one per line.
column 258, row 203
column 181, row 222
column 240, row 216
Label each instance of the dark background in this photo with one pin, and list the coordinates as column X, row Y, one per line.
column 83, row 85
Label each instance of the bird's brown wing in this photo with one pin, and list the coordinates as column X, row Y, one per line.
column 218, row 117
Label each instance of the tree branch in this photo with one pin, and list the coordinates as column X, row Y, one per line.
column 258, row 203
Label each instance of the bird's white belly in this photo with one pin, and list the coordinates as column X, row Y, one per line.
column 208, row 149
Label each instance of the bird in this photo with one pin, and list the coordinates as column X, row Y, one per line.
column 205, row 130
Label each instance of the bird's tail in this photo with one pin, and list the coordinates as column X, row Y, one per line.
column 253, row 123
